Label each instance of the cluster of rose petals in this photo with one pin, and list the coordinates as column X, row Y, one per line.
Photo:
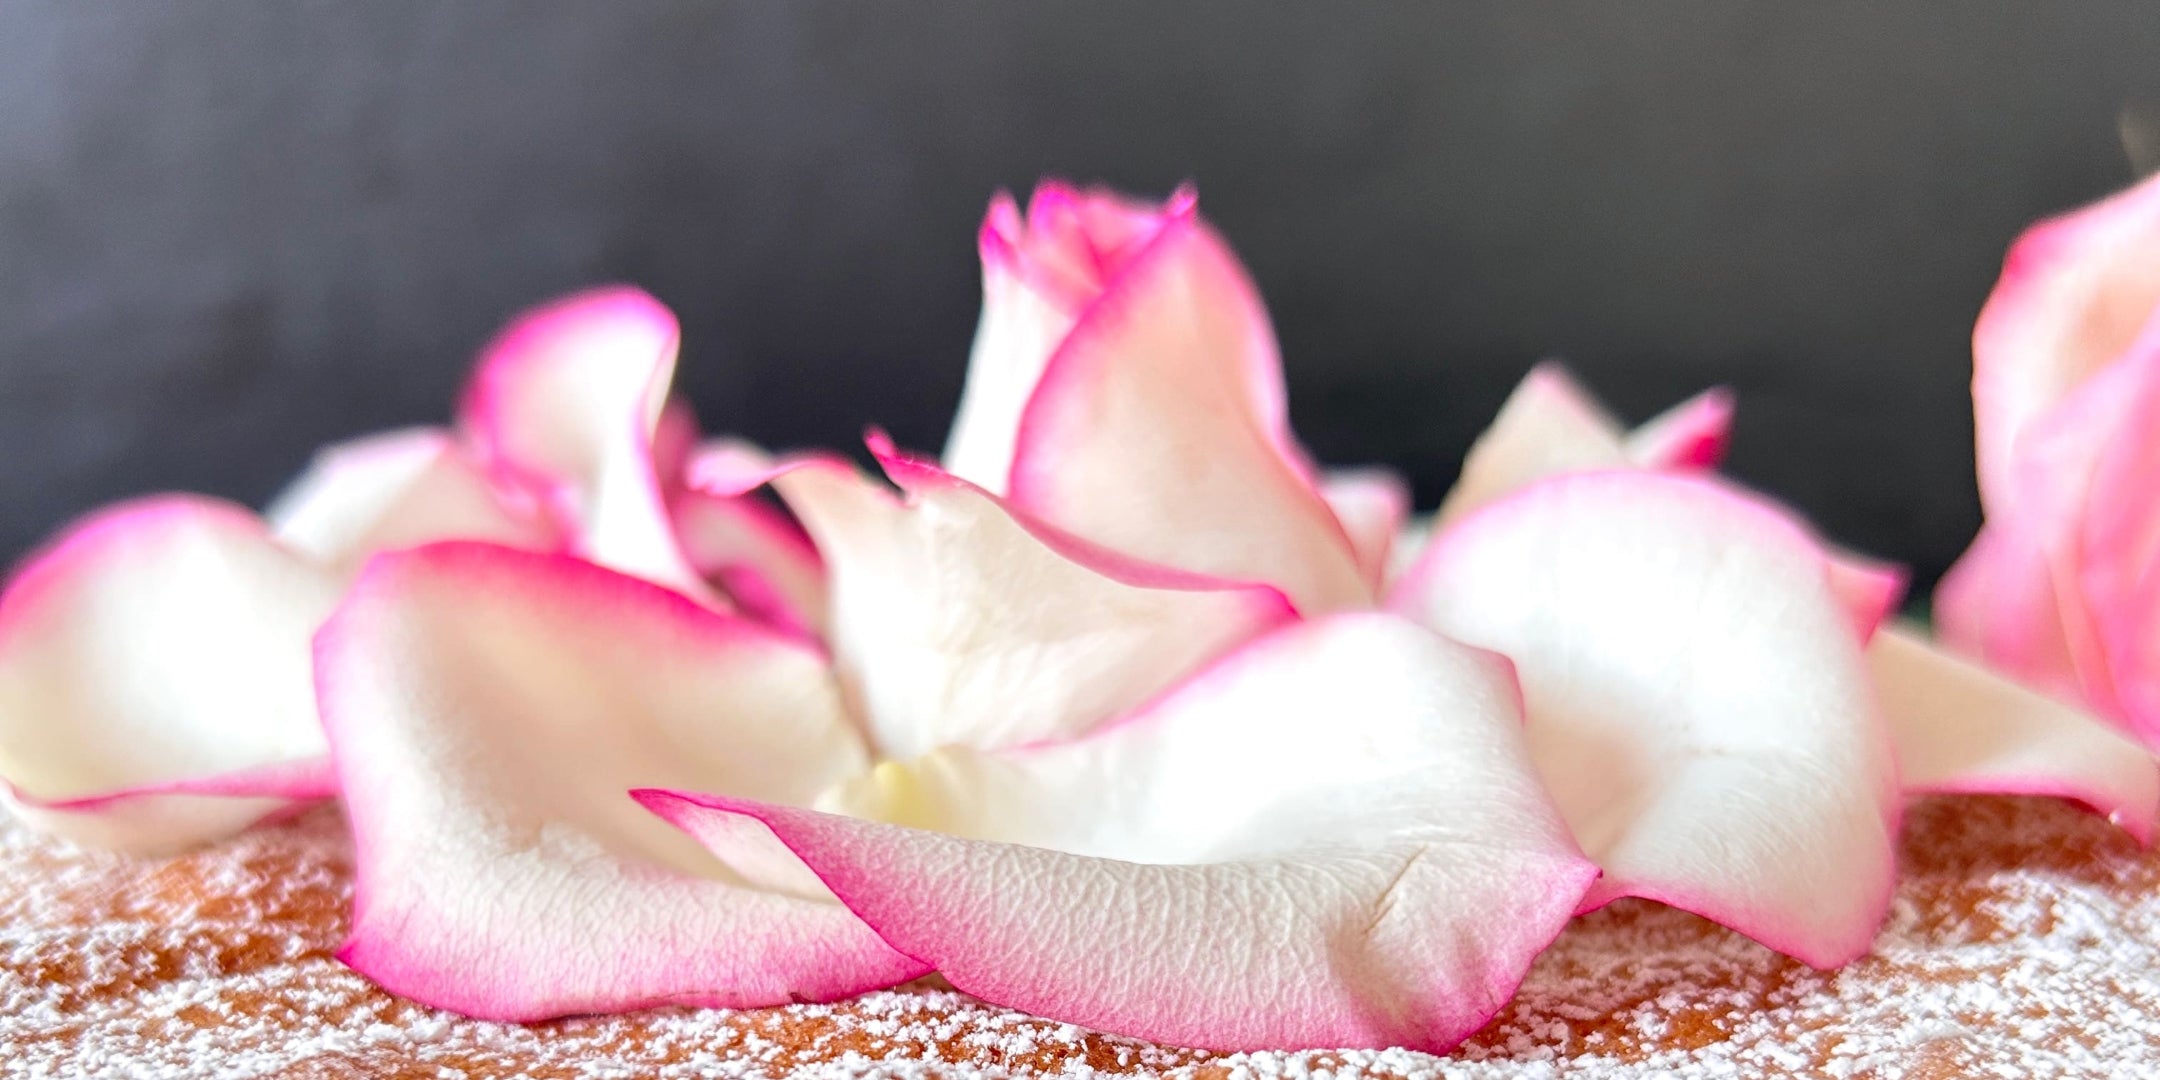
column 1126, row 713
column 2062, row 587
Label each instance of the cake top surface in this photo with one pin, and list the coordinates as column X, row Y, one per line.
column 2023, row 942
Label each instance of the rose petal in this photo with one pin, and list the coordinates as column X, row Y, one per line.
column 152, row 658
column 488, row 709
column 173, row 815
column 760, row 557
column 1158, row 429
column 569, row 401
column 393, row 490
column 1697, row 702
column 1084, row 237
column 2133, row 644
column 1691, row 435
column 1330, row 838
column 1550, row 425
column 1039, row 274
column 956, row 619
column 1961, row 729
column 1372, row 504
column 2057, row 494
column 2077, row 291
column 2117, row 537
column 1998, row 604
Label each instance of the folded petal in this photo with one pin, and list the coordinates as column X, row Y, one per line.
column 1550, row 425
column 1547, row 426
column 1040, row 273
column 1373, row 505
column 1960, row 729
column 1331, row 838
column 759, row 557
column 488, row 711
column 1697, row 701
column 570, row 401
column 956, row 619
column 154, row 676
column 1158, row 429
column 2076, row 292
column 393, row 490
column 1029, row 305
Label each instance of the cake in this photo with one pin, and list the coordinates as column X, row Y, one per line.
column 2022, row 943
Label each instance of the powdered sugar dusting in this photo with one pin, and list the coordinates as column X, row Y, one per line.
column 2025, row 943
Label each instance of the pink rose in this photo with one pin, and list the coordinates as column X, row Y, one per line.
column 2058, row 588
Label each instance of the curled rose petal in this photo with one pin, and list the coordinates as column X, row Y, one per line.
column 1332, row 837
column 956, row 619
column 1697, row 701
column 393, row 490
column 1869, row 589
column 570, row 401
column 1961, row 729
column 488, row 709
column 154, row 686
column 1158, row 429
column 1039, row 274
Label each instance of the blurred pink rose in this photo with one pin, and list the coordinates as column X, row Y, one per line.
column 2060, row 588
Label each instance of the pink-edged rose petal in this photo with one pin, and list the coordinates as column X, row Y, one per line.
column 1961, row 729
column 1158, row 429
column 1040, row 273
column 392, row 490
column 1548, row 425
column 2077, row 292
column 489, row 710
column 570, row 401
column 1332, row 837
column 1551, row 425
column 755, row 553
column 956, row 619
column 1373, row 505
column 172, row 815
column 1697, row 701
column 154, row 676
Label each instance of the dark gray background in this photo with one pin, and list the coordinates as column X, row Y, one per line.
column 232, row 231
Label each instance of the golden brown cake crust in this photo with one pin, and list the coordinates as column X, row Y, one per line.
column 2025, row 941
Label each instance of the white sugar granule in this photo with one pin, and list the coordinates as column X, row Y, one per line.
column 2024, row 942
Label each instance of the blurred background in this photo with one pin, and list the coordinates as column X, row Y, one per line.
column 230, row 232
